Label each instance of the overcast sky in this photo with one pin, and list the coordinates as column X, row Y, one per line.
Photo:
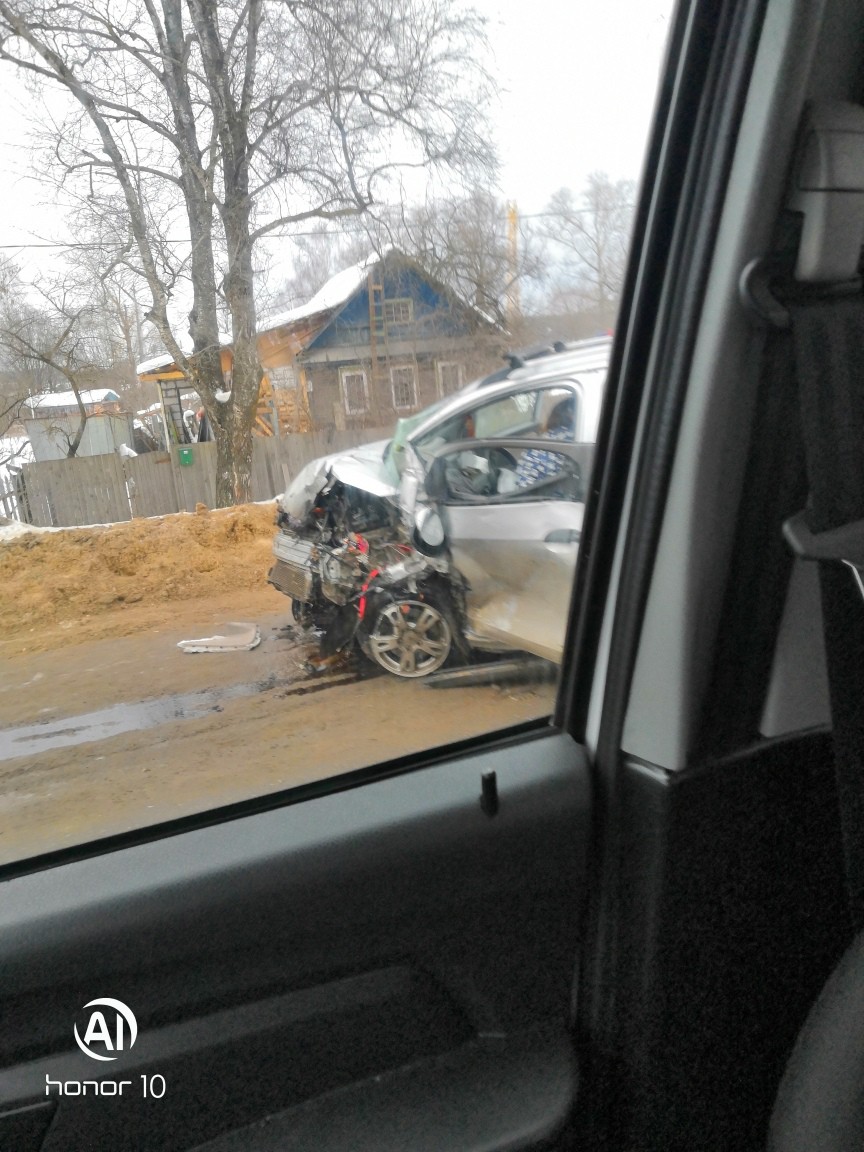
column 577, row 80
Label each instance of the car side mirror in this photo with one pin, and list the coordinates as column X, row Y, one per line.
column 429, row 535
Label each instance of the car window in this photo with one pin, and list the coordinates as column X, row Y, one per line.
column 521, row 414
column 489, row 475
column 223, row 573
column 509, row 416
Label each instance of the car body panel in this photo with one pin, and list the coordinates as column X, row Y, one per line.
column 514, row 582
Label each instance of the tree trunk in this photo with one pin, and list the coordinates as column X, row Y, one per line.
column 246, row 370
column 233, row 436
column 75, row 443
column 234, row 421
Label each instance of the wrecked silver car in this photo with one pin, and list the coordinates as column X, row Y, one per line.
column 460, row 534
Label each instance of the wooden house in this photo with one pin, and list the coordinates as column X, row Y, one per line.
column 380, row 340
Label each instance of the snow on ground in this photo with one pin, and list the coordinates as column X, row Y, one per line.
column 14, row 530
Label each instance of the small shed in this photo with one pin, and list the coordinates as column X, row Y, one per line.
column 51, row 421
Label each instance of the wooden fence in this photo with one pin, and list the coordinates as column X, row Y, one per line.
column 108, row 489
column 9, row 499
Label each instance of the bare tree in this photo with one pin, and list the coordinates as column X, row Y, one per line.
column 462, row 241
column 221, row 123
column 318, row 255
column 13, row 393
column 587, row 243
column 50, row 330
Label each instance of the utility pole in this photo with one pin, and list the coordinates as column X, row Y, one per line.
column 513, row 304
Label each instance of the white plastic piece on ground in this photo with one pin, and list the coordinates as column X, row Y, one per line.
column 241, row 639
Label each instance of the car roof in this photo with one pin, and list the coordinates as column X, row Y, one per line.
column 546, row 362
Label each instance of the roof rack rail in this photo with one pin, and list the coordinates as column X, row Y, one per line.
column 520, row 359
column 536, row 351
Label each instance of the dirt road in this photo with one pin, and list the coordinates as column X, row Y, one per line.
column 224, row 727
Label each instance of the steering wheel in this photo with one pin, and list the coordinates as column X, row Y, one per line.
column 501, row 458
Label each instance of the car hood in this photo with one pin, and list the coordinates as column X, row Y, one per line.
column 366, row 468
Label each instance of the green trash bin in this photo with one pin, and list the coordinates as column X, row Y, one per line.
column 185, row 455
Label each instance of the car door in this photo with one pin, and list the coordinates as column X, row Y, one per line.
column 512, row 511
column 567, row 928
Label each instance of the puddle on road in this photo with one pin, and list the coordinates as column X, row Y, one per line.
column 120, row 718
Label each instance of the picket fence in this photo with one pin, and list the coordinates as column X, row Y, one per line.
column 110, row 488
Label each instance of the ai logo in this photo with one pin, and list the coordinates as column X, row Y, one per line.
column 107, row 1029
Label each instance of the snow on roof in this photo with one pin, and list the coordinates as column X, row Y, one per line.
column 337, row 291
column 69, row 400
column 166, row 359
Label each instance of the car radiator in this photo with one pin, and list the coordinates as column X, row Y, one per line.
column 292, row 572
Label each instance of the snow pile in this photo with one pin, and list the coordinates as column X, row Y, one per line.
column 14, row 530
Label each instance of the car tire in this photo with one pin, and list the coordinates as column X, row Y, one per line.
column 410, row 635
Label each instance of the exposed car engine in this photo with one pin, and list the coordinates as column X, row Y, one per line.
column 353, row 573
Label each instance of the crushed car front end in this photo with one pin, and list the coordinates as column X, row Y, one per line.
column 351, row 566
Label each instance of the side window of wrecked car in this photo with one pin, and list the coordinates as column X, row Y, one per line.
column 506, row 416
column 533, row 413
column 496, row 476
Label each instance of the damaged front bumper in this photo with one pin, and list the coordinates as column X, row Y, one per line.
column 366, row 590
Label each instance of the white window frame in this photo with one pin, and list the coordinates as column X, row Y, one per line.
column 394, row 368
column 460, row 375
column 344, row 373
column 403, row 302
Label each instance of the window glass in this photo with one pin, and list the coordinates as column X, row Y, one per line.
column 510, row 416
column 234, row 542
column 449, row 378
column 544, row 411
column 491, row 475
column 354, row 388
column 404, row 381
column 398, row 311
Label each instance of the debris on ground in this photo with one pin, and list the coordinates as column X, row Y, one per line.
column 520, row 670
column 242, row 638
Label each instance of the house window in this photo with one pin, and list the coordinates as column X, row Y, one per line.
column 403, row 380
column 398, row 311
column 449, row 377
column 354, row 391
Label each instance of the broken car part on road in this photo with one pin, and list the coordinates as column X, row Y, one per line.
column 240, row 638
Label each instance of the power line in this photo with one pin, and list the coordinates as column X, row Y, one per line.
column 71, row 246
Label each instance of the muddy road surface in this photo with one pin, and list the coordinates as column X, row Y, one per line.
column 113, row 732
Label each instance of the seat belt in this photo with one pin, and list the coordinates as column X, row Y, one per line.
column 829, row 352
column 826, row 315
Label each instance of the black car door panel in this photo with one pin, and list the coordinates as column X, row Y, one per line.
column 392, row 930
